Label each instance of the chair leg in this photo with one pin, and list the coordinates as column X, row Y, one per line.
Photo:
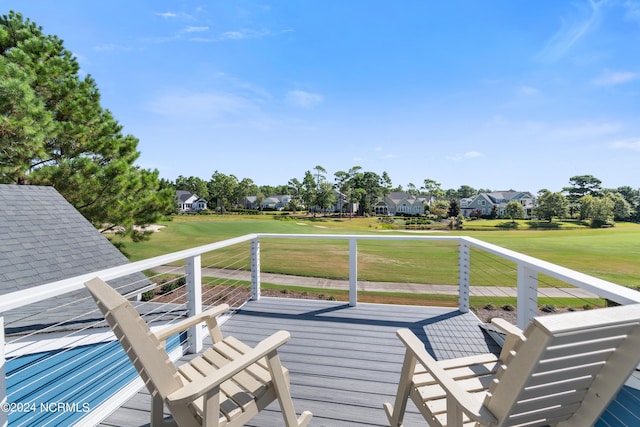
column 455, row 417
column 395, row 413
column 157, row 413
column 283, row 393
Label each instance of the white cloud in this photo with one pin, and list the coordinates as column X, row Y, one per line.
column 472, row 154
column 192, row 29
column 498, row 120
column 302, row 99
column 184, row 105
column 243, row 34
column 167, row 15
column 633, row 10
column 173, row 15
column 111, row 47
column 528, row 90
column 633, row 145
column 465, row 156
column 571, row 31
column 612, row 78
column 584, row 131
column 107, row 47
column 236, row 84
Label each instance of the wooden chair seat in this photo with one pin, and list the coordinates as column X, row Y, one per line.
column 252, row 386
column 473, row 374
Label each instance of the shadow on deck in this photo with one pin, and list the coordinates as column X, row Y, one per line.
column 344, row 361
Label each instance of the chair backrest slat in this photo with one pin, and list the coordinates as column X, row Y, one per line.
column 565, row 361
column 145, row 351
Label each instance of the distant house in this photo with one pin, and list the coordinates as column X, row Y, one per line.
column 401, row 203
column 249, row 202
column 283, row 201
column 189, row 202
column 343, row 204
column 484, row 203
column 275, row 203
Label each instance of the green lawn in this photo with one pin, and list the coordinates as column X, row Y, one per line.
column 612, row 254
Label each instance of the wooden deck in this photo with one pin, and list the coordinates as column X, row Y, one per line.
column 344, row 361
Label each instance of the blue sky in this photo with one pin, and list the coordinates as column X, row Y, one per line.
column 494, row 94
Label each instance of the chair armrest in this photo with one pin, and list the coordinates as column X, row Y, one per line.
column 470, row 404
column 185, row 324
column 200, row 387
column 514, row 335
column 507, row 327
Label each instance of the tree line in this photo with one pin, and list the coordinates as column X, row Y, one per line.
column 587, row 200
column 584, row 198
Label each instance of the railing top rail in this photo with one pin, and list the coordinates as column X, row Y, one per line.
column 434, row 236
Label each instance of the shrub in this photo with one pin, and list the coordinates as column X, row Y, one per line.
column 172, row 284
column 548, row 308
column 148, row 296
column 489, row 307
column 508, row 307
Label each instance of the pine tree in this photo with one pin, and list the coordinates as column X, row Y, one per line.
column 54, row 131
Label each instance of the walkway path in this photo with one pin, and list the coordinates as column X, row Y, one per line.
column 363, row 285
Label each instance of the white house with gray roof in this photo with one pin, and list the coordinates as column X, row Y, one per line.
column 401, row 203
column 483, row 203
column 189, row 202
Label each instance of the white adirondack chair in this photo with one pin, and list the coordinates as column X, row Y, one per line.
column 224, row 386
column 562, row 371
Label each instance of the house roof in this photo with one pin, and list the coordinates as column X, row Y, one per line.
column 45, row 239
column 509, row 195
column 182, row 196
column 397, row 197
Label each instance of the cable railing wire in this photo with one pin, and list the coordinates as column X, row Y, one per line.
column 494, row 280
column 551, row 292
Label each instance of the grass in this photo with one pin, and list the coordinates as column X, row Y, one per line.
column 521, row 224
column 611, row 254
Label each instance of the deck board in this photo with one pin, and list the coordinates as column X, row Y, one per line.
column 344, row 361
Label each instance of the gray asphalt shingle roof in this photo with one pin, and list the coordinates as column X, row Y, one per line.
column 43, row 238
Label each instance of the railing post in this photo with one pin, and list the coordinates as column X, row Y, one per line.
column 193, row 271
column 464, row 268
column 527, row 295
column 255, row 269
column 353, row 272
column 3, row 378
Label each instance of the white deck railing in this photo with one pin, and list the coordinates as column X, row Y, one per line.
column 526, row 271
